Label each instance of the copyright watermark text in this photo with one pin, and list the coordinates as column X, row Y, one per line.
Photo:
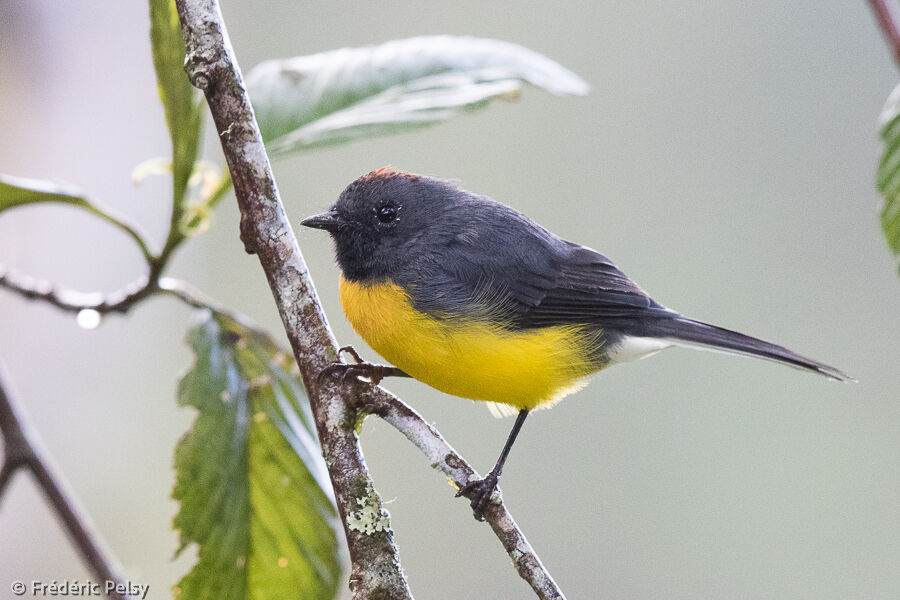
column 79, row 588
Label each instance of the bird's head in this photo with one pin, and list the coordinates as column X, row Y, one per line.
column 386, row 219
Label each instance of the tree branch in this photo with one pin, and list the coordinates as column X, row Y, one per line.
column 885, row 18
column 445, row 459
column 211, row 66
column 23, row 449
column 265, row 231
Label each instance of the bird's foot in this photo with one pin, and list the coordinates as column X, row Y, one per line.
column 479, row 493
column 374, row 373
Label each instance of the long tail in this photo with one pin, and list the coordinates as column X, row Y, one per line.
column 688, row 332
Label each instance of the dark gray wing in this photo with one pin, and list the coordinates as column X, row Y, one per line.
column 503, row 266
column 588, row 288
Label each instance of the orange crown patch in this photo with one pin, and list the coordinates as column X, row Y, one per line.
column 387, row 172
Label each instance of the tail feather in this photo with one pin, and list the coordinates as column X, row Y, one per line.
column 684, row 331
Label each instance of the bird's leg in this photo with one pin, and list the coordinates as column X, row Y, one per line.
column 479, row 491
column 375, row 373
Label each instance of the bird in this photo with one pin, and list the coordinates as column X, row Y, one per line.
column 473, row 298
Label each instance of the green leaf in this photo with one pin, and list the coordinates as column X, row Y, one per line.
column 249, row 474
column 181, row 101
column 889, row 172
column 19, row 191
column 354, row 93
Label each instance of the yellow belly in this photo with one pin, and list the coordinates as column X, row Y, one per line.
column 470, row 359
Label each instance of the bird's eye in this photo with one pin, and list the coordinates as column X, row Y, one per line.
column 386, row 213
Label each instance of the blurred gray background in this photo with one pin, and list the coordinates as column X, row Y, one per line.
column 724, row 159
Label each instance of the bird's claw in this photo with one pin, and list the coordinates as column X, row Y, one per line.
column 479, row 492
column 352, row 352
column 374, row 373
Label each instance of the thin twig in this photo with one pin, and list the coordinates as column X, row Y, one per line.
column 445, row 459
column 120, row 301
column 23, row 449
column 74, row 301
column 212, row 67
column 8, row 469
column 191, row 296
column 117, row 302
column 884, row 16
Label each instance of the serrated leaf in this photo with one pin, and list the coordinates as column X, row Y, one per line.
column 889, row 172
column 249, row 475
column 181, row 101
column 355, row 93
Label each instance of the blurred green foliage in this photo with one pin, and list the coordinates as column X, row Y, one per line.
column 889, row 172
column 182, row 102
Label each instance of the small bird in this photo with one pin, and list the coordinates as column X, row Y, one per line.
column 476, row 300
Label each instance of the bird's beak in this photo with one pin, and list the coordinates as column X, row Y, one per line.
column 328, row 221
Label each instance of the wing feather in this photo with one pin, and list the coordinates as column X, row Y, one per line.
column 539, row 282
column 588, row 288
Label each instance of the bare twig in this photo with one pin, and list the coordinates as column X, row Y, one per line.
column 74, row 301
column 445, row 459
column 265, row 231
column 885, row 17
column 212, row 67
column 23, row 450
column 120, row 301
